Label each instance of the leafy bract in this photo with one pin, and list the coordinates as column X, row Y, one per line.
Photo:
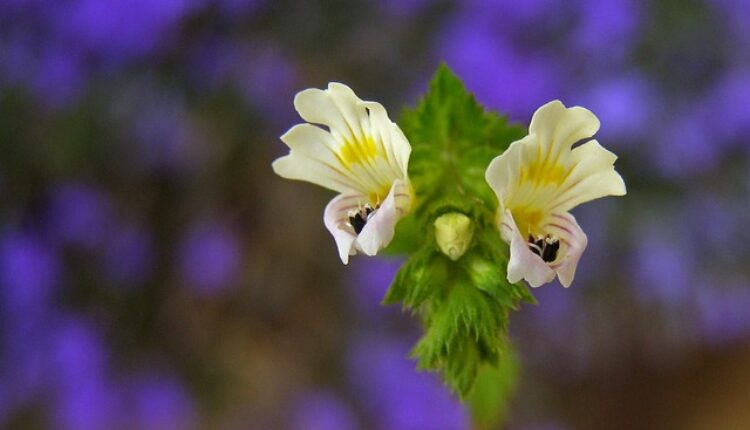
column 464, row 305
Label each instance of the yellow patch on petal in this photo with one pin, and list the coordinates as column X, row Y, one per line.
column 358, row 151
column 542, row 174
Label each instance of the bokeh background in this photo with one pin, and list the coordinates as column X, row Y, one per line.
column 155, row 274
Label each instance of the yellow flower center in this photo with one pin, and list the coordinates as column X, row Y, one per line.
column 527, row 220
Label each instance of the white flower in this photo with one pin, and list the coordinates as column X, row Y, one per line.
column 361, row 154
column 541, row 177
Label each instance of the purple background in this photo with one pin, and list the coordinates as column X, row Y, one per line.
column 155, row 274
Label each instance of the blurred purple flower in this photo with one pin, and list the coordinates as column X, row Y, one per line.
column 211, row 64
column 395, row 395
column 78, row 214
column 90, row 405
column 164, row 137
column 663, row 268
column 372, row 278
column 626, row 106
column 128, row 255
column 726, row 115
column 58, row 77
column 79, row 352
column 514, row 17
column 118, row 30
column 261, row 73
column 56, row 46
column 606, row 30
column 266, row 78
column 322, row 411
column 158, row 402
column 737, row 14
column 715, row 227
column 686, row 146
column 699, row 137
column 29, row 275
column 14, row 60
column 723, row 312
column 555, row 314
column 209, row 258
column 79, row 365
column 503, row 78
column 29, row 271
column 24, row 363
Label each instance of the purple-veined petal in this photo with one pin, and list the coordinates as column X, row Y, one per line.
column 573, row 242
column 379, row 229
column 335, row 218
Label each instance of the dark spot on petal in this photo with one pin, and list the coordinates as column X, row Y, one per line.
column 550, row 251
column 357, row 222
column 545, row 247
column 358, row 219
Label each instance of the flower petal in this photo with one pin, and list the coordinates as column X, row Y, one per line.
column 313, row 159
column 558, row 128
column 523, row 263
column 503, row 172
column 379, row 230
column 338, row 108
column 336, row 217
column 573, row 242
column 593, row 176
column 362, row 145
column 533, row 169
column 395, row 144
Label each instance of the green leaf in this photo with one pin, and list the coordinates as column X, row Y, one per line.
column 488, row 399
column 464, row 304
column 453, row 140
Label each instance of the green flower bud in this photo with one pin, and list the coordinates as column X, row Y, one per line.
column 453, row 233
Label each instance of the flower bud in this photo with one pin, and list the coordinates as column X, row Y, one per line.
column 453, row 233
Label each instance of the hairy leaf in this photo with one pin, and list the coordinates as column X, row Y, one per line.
column 463, row 304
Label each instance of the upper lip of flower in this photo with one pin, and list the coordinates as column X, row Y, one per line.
column 362, row 155
column 538, row 179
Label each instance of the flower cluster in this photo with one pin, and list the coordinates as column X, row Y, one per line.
column 454, row 217
column 537, row 180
